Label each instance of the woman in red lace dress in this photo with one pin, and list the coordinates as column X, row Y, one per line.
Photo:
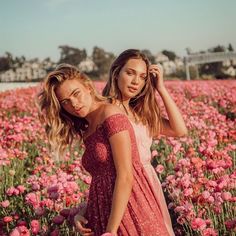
column 121, row 199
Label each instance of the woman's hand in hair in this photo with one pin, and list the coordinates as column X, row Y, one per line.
column 156, row 76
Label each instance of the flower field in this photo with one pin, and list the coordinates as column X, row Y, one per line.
column 41, row 197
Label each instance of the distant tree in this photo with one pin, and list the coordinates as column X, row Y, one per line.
column 214, row 68
column 171, row 55
column 72, row 55
column 230, row 48
column 149, row 55
column 103, row 61
column 4, row 64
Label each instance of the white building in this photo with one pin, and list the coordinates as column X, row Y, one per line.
column 87, row 65
column 30, row 70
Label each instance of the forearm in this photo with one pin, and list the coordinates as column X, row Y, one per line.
column 121, row 194
column 177, row 123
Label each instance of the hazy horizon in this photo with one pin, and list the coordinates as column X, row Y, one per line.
column 37, row 28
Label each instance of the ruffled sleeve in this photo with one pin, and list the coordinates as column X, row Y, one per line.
column 115, row 124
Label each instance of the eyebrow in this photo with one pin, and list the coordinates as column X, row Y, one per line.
column 64, row 99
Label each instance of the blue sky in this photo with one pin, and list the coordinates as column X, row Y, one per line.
column 36, row 28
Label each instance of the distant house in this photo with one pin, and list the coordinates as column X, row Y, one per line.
column 29, row 71
column 160, row 58
column 169, row 67
column 230, row 71
column 8, row 76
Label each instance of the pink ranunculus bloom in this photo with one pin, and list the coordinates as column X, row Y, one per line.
column 230, row 224
column 159, row 169
column 39, row 211
column 20, row 231
column 21, row 188
column 15, row 232
column 154, row 153
column 87, row 180
column 226, row 196
column 5, row 203
column 210, row 199
column 10, row 191
column 7, row 219
column 206, row 194
column 209, row 232
column 32, row 199
column 198, row 224
column 188, row 192
column 35, row 226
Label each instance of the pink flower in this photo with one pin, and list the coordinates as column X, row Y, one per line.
column 226, row 196
column 154, row 153
column 198, row 224
column 230, row 224
column 35, row 226
column 20, row 231
column 32, row 199
column 209, row 232
column 206, row 194
column 39, row 211
column 210, row 199
column 7, row 219
column 12, row 191
column 21, row 188
column 188, row 192
column 5, row 203
column 159, row 169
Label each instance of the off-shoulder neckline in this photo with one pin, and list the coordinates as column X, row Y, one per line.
column 102, row 123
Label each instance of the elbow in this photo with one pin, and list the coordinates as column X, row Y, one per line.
column 126, row 179
column 182, row 133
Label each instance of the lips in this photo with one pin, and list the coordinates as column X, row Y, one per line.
column 78, row 110
column 132, row 89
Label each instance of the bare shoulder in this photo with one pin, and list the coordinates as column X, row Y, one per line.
column 109, row 110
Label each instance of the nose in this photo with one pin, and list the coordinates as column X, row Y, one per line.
column 74, row 103
column 135, row 79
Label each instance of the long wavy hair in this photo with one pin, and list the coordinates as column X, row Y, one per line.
column 144, row 104
column 61, row 127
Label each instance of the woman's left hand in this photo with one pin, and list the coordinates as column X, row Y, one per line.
column 156, row 72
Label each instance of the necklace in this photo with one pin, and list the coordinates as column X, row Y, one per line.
column 128, row 111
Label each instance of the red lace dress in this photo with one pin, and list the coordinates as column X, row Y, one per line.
column 142, row 215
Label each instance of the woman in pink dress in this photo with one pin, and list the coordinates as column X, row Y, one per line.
column 127, row 78
column 121, row 198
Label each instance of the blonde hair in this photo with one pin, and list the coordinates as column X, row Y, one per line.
column 61, row 127
column 143, row 104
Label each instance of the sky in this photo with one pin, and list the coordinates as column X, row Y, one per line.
column 35, row 28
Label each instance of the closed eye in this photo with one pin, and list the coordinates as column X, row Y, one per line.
column 76, row 93
column 64, row 102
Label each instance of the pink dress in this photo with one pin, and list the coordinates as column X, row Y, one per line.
column 144, row 142
column 142, row 216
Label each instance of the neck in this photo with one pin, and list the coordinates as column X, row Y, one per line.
column 124, row 102
column 93, row 112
